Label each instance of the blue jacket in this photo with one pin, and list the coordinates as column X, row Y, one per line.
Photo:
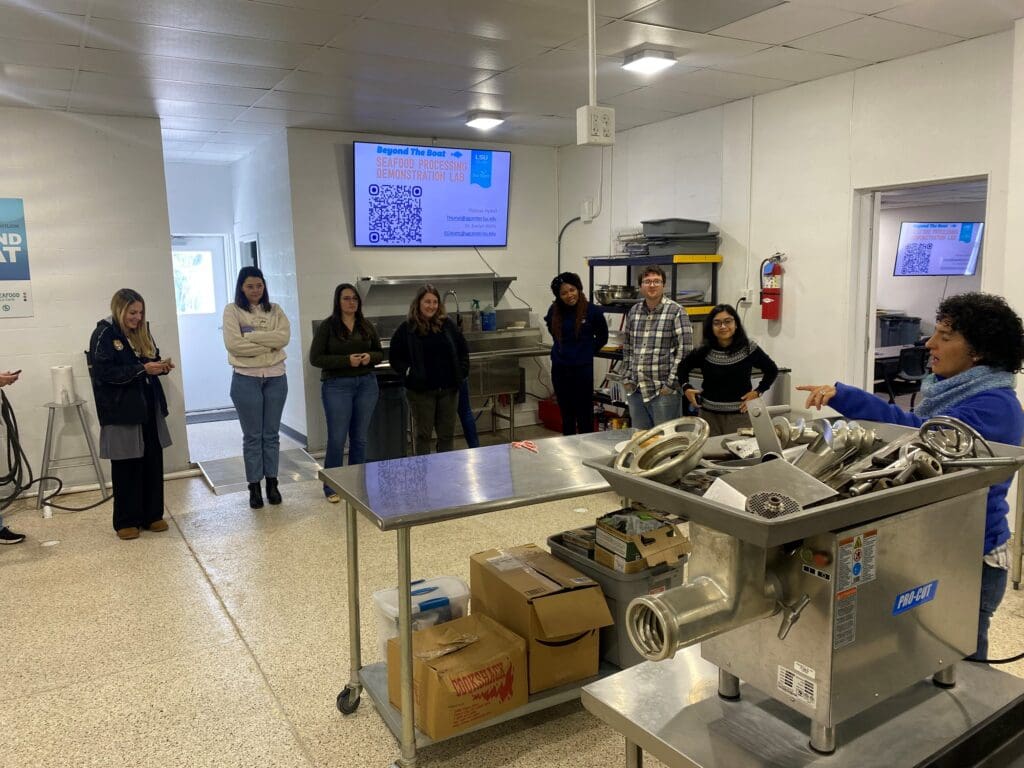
column 996, row 414
column 577, row 351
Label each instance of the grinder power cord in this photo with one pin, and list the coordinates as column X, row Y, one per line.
column 19, row 466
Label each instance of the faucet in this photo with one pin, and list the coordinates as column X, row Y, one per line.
column 458, row 314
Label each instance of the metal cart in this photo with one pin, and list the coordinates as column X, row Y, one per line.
column 400, row 494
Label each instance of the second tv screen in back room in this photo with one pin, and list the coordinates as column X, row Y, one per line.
column 408, row 195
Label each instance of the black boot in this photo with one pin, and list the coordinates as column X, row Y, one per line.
column 255, row 496
column 273, row 495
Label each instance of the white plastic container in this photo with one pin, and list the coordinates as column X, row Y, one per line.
column 434, row 601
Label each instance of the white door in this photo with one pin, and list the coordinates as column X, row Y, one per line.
column 201, row 290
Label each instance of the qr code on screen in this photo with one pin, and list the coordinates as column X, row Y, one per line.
column 915, row 259
column 396, row 213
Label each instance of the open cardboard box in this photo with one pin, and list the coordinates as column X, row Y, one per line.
column 464, row 672
column 632, row 553
column 557, row 609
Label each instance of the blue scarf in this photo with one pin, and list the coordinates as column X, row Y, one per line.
column 940, row 395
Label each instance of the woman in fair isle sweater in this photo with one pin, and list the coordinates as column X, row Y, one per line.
column 725, row 359
column 255, row 335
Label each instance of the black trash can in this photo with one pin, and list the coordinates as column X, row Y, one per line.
column 388, row 437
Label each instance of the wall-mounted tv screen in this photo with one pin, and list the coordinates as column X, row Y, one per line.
column 938, row 248
column 408, row 195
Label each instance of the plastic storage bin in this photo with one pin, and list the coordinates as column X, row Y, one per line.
column 670, row 227
column 619, row 589
column 434, row 601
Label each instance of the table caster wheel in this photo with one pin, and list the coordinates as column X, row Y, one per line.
column 348, row 701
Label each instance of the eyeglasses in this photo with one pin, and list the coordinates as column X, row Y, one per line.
column 723, row 323
column 652, row 282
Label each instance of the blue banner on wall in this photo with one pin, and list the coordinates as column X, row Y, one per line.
column 15, row 288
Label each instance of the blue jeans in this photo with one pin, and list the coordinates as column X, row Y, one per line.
column 466, row 417
column 659, row 410
column 993, row 586
column 348, row 405
column 259, row 403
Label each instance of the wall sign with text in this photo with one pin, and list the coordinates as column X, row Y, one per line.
column 15, row 285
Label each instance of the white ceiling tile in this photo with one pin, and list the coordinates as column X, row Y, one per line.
column 854, row 6
column 873, row 39
column 608, row 8
column 38, row 54
column 24, row 23
column 33, row 98
column 177, row 43
column 218, row 156
column 196, row 109
column 662, row 97
column 243, row 139
column 181, row 70
column 786, row 22
column 700, row 15
column 728, row 85
column 694, row 50
column 329, row 90
column 106, row 104
column 168, row 123
column 242, row 18
column 47, row 78
column 193, row 136
column 348, row 7
column 790, row 64
column 496, row 19
column 103, row 84
column 404, row 41
column 78, row 7
column 368, row 66
column 955, row 17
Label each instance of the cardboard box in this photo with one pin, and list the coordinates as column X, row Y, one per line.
column 464, row 672
column 632, row 553
column 557, row 609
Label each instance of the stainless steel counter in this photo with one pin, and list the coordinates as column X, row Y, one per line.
column 420, row 490
column 671, row 710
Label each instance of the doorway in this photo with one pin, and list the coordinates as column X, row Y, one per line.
column 914, row 245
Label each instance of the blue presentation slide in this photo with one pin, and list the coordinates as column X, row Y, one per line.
column 409, row 195
column 938, row 248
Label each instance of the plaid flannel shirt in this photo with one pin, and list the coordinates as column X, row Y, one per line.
column 656, row 342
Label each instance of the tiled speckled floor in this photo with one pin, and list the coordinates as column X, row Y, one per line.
column 223, row 642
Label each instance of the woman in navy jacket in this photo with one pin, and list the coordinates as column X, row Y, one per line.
column 579, row 330
column 977, row 347
column 124, row 364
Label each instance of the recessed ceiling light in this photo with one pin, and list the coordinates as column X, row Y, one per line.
column 648, row 61
column 484, row 121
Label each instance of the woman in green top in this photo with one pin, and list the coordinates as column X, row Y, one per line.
column 346, row 348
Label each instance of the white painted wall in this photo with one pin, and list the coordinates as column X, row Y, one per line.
column 262, row 200
column 96, row 215
column 199, row 199
column 920, row 296
column 319, row 164
column 788, row 163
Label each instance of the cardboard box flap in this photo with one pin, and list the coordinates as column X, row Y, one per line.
column 571, row 613
column 518, row 571
column 443, row 642
column 664, row 545
column 558, row 571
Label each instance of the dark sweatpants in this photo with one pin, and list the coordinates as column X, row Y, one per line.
column 139, row 483
column 574, row 390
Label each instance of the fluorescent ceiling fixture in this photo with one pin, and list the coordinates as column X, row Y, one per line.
column 484, row 121
column 648, row 61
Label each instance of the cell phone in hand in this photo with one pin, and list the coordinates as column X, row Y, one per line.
column 15, row 373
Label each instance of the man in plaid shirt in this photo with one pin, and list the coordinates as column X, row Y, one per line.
column 658, row 337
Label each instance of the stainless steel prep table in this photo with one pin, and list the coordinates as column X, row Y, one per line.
column 671, row 710
column 398, row 494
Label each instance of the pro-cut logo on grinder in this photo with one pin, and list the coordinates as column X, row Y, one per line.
column 914, row 597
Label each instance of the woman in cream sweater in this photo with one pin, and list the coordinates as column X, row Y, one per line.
column 255, row 335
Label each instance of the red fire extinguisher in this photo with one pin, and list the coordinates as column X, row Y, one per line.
column 771, row 287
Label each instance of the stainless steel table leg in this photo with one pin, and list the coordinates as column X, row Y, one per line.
column 823, row 738
column 354, row 638
column 634, row 755
column 728, row 686
column 92, row 452
column 44, row 469
column 512, row 418
column 945, row 678
column 408, row 759
column 1018, row 533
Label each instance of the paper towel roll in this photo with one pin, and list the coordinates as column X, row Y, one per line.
column 63, row 379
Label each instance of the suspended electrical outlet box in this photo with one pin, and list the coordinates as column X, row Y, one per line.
column 595, row 125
